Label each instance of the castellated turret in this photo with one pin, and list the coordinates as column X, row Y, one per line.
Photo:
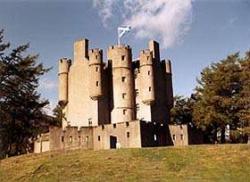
column 64, row 65
column 95, row 70
column 123, row 83
column 147, row 77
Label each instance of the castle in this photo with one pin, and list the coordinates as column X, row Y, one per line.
column 120, row 102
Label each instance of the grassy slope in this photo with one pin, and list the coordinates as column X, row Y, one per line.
column 193, row 163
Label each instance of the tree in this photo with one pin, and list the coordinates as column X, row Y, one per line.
column 21, row 108
column 182, row 111
column 59, row 115
column 218, row 92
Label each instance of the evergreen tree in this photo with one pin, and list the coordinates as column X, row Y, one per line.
column 59, row 116
column 21, row 108
column 218, row 93
column 182, row 111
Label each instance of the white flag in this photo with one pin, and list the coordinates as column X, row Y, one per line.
column 121, row 32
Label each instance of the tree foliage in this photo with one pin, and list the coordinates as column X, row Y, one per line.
column 223, row 95
column 21, row 108
column 182, row 111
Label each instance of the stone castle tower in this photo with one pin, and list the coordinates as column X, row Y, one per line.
column 94, row 92
column 117, row 102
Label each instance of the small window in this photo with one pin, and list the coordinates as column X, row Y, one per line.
column 137, row 106
column 149, row 89
column 123, row 58
column 128, row 134
column 96, row 69
column 127, row 124
column 99, row 138
column 103, row 127
column 181, row 127
column 149, row 72
column 124, row 95
column 136, row 92
column 181, row 136
column 155, row 137
column 62, row 139
column 123, row 79
column 90, row 121
column 124, row 111
column 70, row 139
column 174, row 137
column 114, row 125
column 147, row 57
column 97, row 83
column 96, row 57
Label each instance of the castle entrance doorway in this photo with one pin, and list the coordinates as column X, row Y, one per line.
column 113, row 141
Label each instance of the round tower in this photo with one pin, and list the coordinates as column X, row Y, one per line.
column 147, row 77
column 95, row 71
column 64, row 65
column 123, row 84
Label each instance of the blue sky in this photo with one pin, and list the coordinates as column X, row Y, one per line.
column 218, row 28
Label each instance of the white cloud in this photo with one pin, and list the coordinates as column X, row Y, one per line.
column 165, row 20
column 47, row 84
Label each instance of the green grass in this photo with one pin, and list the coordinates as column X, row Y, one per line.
column 193, row 163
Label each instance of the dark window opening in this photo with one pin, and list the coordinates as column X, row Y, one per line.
column 136, row 92
column 96, row 69
column 137, row 106
column 123, row 79
column 149, row 89
column 124, row 111
column 97, row 83
column 114, row 125
column 128, row 134
column 123, row 95
column 123, row 58
column 147, row 57
column 148, row 72
column 62, row 138
column 99, row 138
column 127, row 124
column 174, row 137
column 103, row 127
column 90, row 121
column 96, row 57
column 181, row 136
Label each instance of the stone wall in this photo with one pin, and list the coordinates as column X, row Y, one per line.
column 179, row 134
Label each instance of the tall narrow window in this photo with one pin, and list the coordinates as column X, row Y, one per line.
column 96, row 69
column 90, row 121
column 124, row 111
column 96, row 57
column 149, row 89
column 97, row 83
column 137, row 107
column 174, row 137
column 123, row 79
column 149, row 73
column 123, row 95
column 123, row 58
column 155, row 137
column 181, row 136
column 136, row 92
column 99, row 138
column 128, row 134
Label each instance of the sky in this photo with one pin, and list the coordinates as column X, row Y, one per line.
column 191, row 33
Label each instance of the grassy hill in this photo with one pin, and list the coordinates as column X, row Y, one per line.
column 193, row 163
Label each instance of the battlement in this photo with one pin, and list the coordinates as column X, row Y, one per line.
column 95, row 56
column 121, row 46
column 146, row 57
